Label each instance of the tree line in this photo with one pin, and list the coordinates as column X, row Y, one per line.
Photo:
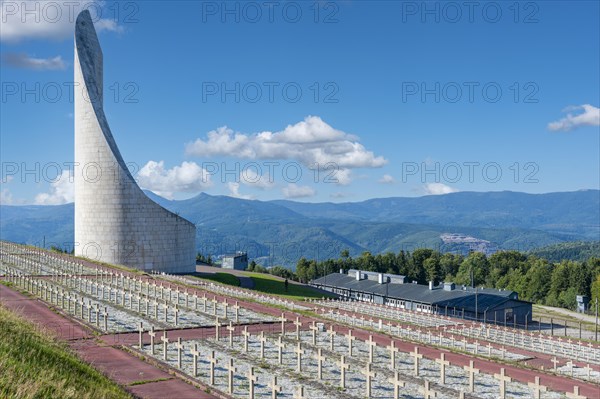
column 534, row 279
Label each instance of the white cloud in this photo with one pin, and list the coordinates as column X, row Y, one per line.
column 342, row 176
column 387, row 179
column 438, row 188
column 188, row 178
column 22, row 60
column 309, row 142
column 62, row 191
column 250, row 177
column 339, row 195
column 108, row 25
column 6, row 197
column 48, row 19
column 294, row 191
column 589, row 117
column 234, row 191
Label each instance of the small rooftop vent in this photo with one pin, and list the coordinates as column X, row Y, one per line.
column 449, row 286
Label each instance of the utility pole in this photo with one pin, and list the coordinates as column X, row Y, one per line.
column 596, row 319
column 476, row 309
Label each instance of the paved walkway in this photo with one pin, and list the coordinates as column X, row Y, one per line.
column 120, row 366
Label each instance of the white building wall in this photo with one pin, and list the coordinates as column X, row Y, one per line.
column 115, row 221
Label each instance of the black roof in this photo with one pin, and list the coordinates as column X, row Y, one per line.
column 459, row 297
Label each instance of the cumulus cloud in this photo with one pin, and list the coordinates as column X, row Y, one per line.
column 293, row 190
column 6, row 197
column 339, row 195
column 187, row 177
column 62, row 191
column 252, row 178
column 342, row 177
column 234, row 191
column 309, row 142
column 108, row 25
column 438, row 189
column 387, row 179
column 47, row 19
column 590, row 116
column 22, row 60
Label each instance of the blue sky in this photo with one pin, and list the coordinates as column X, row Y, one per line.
column 396, row 99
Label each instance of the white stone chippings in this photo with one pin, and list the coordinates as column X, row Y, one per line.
column 485, row 385
column 115, row 222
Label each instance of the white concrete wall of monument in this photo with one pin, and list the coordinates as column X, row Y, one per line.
column 111, row 212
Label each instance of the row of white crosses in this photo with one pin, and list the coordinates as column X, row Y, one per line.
column 416, row 334
column 443, row 363
column 387, row 312
column 37, row 261
column 112, row 287
column 367, row 371
column 64, row 299
column 153, row 296
column 174, row 298
column 212, row 363
column 508, row 336
column 538, row 342
column 343, row 364
column 236, row 292
column 448, row 340
column 300, row 352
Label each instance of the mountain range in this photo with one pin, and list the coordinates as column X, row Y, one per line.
column 281, row 231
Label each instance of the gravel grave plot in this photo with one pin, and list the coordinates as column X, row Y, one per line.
column 486, row 386
column 264, row 371
column 581, row 373
column 536, row 342
column 125, row 314
column 119, row 318
column 50, row 268
column 434, row 339
column 235, row 292
column 387, row 312
column 40, row 263
column 245, row 316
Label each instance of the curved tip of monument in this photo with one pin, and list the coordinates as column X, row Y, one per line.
column 84, row 18
column 85, row 31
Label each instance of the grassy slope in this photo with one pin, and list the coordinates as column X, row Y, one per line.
column 275, row 286
column 223, row 278
column 34, row 365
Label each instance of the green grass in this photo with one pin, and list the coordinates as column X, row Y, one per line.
column 33, row 364
column 223, row 278
column 559, row 318
column 274, row 286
